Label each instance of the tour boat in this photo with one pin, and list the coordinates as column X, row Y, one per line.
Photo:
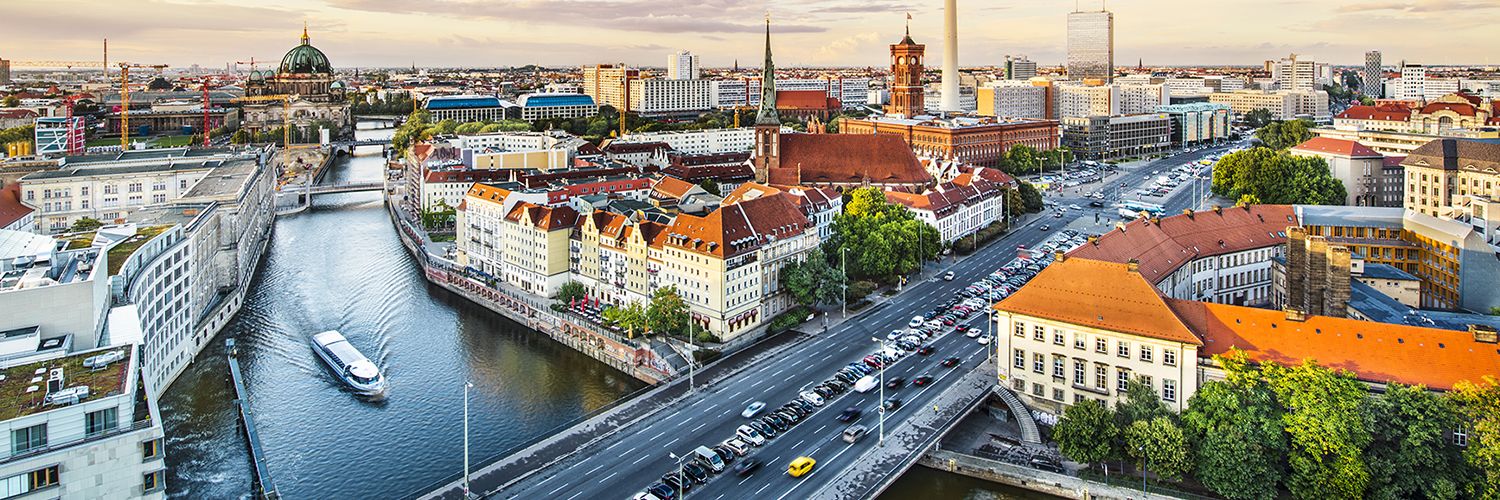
column 348, row 363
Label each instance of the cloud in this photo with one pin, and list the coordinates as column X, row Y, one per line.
column 668, row 16
column 1421, row 6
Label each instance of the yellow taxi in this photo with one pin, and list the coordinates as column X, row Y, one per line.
column 800, row 466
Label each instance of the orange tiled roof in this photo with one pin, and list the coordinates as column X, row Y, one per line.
column 1375, row 352
column 1098, row 294
column 488, row 192
column 1384, row 112
column 672, row 187
column 1460, row 108
column 848, row 159
column 11, row 208
column 545, row 218
column 739, row 228
column 1162, row 248
column 1341, row 147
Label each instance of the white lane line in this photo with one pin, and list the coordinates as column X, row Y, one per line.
column 612, row 474
column 674, row 440
column 555, row 490
column 544, row 481
column 638, row 460
column 762, row 488
column 575, row 495
column 820, row 429
column 658, row 435
column 596, row 469
column 799, row 443
column 700, row 426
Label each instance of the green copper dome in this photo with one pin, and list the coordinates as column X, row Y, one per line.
column 305, row 59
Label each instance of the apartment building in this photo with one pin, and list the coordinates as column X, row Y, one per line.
column 1443, row 173
column 1198, row 123
column 1301, row 74
column 607, row 84
column 1012, row 99
column 1077, row 100
column 1283, row 105
column 534, row 247
column 1142, row 98
column 666, row 97
column 1363, row 171
column 106, row 187
column 544, row 106
column 958, row 208
column 699, row 142
column 852, row 93
column 683, row 65
column 1110, row 137
column 1389, row 116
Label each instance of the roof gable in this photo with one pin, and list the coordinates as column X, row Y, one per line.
column 1104, row 295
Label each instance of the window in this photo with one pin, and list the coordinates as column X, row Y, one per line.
column 1020, row 359
column 1169, row 357
column 1122, row 380
column 1057, row 394
column 1146, row 353
column 1101, row 346
column 1037, row 390
column 1039, row 363
column 1145, row 380
column 1057, row 337
column 21, row 484
column 83, row 191
column 1101, row 377
column 152, row 481
column 151, row 449
column 100, row 421
column 1038, row 333
column 1020, row 329
column 27, row 439
column 1169, row 389
column 1123, row 349
column 1057, row 367
column 1079, row 342
column 1078, row 372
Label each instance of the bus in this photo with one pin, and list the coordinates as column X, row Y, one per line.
column 1140, row 206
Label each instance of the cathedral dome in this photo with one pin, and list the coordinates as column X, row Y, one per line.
column 305, row 59
column 159, row 83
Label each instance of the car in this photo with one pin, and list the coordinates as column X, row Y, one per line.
column 915, row 322
column 926, row 350
column 849, row 414
column 921, row 381
column 812, row 397
column 787, row 416
column 951, row 362
column 973, row 333
column 1096, row 204
column 843, row 376
column 662, row 491
column 674, row 481
column 753, row 410
column 854, row 432
column 1046, row 464
column 774, row 422
column 750, row 435
column 764, row 428
column 800, row 466
column 985, row 340
column 1045, row 227
column 895, row 383
column 724, row 453
column 747, row 467
column 891, row 404
column 948, row 276
column 698, row 473
column 822, row 392
column 948, row 321
column 736, row 445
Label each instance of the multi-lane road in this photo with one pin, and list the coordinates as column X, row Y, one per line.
column 633, row 458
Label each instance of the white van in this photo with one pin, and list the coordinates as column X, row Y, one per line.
column 709, row 458
column 750, row 435
column 864, row 384
column 916, row 321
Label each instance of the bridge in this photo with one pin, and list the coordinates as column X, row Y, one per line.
column 624, row 448
column 351, row 187
column 364, row 142
column 305, row 193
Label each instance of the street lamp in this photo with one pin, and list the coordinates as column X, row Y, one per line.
column 693, row 353
column 844, row 268
column 881, row 405
column 467, row 385
column 681, row 480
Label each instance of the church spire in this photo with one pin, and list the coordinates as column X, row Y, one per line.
column 767, row 114
column 304, row 33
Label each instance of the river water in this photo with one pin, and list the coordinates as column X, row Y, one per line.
column 340, row 266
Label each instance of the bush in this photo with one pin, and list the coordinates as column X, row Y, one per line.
column 705, row 356
column 786, row 320
column 860, row 289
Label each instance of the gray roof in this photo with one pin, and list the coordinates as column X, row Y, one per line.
column 87, row 171
column 1325, row 215
column 1386, row 272
column 1383, row 309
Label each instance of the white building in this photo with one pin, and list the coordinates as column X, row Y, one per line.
column 1142, row 98
column 1293, row 73
column 658, row 97
column 1413, row 83
column 683, row 65
column 956, row 209
column 1075, row 100
column 1019, row 68
column 465, row 108
column 104, row 188
column 542, row 106
column 851, row 92
column 1012, row 99
column 699, row 142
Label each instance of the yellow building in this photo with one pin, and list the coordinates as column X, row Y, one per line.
column 535, row 247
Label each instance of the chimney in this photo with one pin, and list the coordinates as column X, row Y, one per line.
column 1059, row 256
column 1484, row 334
column 1218, row 210
column 1296, row 266
column 1156, row 220
column 1336, row 296
column 1094, row 239
column 1317, row 274
column 1294, row 314
column 1188, row 212
column 1133, row 266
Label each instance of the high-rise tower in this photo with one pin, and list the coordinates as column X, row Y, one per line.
column 1091, row 45
column 1374, row 74
column 767, row 120
column 950, row 57
column 906, row 77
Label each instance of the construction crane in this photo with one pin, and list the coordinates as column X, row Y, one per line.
column 286, row 113
column 252, row 62
column 57, row 64
column 125, row 99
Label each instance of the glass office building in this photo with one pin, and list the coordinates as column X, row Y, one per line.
column 1091, row 45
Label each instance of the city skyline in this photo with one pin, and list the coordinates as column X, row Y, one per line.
column 455, row 33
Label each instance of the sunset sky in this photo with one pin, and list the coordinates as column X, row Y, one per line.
column 807, row 32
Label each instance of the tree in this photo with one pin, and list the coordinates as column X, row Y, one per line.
column 1479, row 407
column 1409, row 456
column 1031, row 199
column 630, row 317
column 881, row 240
column 1258, row 118
column 11, row 101
column 1494, row 310
column 571, row 291
column 1157, row 445
column 85, row 224
column 1234, row 425
column 1280, row 135
column 813, row 281
column 1248, row 199
column 1326, row 429
column 1140, row 404
column 1277, row 177
column 1022, row 159
column 469, row 128
column 668, row 313
column 1086, row 433
column 711, row 186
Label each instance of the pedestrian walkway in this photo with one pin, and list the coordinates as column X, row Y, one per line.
column 1022, row 415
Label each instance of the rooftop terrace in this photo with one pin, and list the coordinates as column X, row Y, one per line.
column 23, row 390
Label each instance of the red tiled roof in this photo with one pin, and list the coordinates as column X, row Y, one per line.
column 1162, row 248
column 1374, row 352
column 1460, row 108
column 545, row 218
column 11, row 208
column 1384, row 112
column 622, row 148
column 1393, row 161
column 1098, row 294
column 15, row 114
column 739, row 228
column 847, row 159
column 438, row 176
column 805, row 100
column 672, row 187
column 1341, row 147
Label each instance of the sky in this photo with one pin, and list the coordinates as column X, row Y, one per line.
column 489, row 33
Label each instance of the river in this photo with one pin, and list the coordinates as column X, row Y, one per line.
column 340, row 266
column 925, row 483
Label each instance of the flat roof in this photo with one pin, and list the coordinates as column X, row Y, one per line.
column 227, row 178
column 1326, row 215
column 18, row 399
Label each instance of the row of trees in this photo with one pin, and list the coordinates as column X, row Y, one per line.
column 1281, row 135
column 665, row 314
column 881, row 240
column 360, row 104
column 1263, row 175
column 1303, row 429
column 1022, row 159
column 814, row 281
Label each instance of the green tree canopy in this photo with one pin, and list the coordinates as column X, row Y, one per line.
column 668, row 313
column 85, row 224
column 1479, row 407
column 1258, row 118
column 1409, row 456
column 881, row 240
column 630, row 317
column 1281, row 135
column 813, row 281
column 1325, row 426
column 571, row 291
column 1158, row 445
column 1277, row 177
column 1031, row 198
column 1235, row 427
column 1086, row 432
column 1141, row 403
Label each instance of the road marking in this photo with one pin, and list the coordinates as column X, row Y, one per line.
column 820, row 429
column 700, row 426
column 674, row 440
column 659, row 434
column 762, row 488
column 554, row 491
column 799, row 443
column 638, row 460
column 612, row 474
column 596, row 469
